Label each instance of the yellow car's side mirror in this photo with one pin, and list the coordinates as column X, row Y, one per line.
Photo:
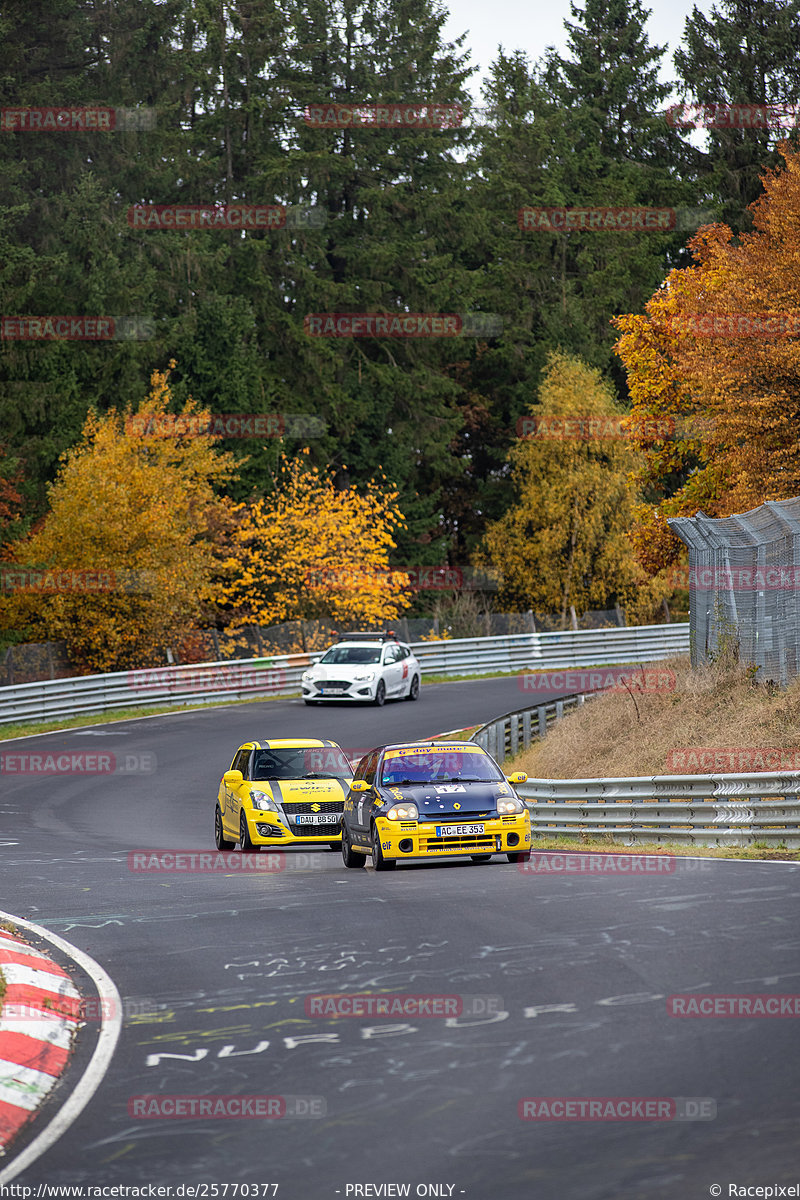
column 361, row 785
column 232, row 778
column 517, row 777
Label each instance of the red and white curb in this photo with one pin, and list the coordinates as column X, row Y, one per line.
column 34, row 1040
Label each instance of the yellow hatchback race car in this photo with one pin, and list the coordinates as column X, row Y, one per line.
column 282, row 792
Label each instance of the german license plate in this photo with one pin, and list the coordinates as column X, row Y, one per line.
column 458, row 830
column 331, row 691
column 315, row 818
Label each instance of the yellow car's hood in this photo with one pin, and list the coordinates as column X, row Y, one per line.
column 287, row 791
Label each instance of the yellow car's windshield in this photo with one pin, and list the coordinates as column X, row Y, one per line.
column 309, row 762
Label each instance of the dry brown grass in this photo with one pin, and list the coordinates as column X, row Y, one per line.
column 714, row 706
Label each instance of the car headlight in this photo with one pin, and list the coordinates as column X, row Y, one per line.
column 364, row 676
column 403, row 812
column 264, row 802
column 510, row 804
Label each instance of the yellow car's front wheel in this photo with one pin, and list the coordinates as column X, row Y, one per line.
column 244, row 837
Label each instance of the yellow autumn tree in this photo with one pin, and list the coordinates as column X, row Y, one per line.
column 714, row 373
column 121, row 564
column 309, row 550
column 563, row 541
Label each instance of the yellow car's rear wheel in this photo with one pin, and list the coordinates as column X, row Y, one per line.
column 221, row 841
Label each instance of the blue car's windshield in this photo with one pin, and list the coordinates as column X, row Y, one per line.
column 437, row 766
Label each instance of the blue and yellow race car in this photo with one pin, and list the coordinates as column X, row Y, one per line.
column 433, row 800
column 281, row 792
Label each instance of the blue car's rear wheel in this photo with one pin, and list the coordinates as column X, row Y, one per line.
column 349, row 857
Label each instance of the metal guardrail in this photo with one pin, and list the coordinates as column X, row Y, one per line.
column 570, row 649
column 702, row 810
column 245, row 679
column 206, row 683
column 516, row 731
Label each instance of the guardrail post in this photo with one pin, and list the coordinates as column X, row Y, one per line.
column 541, row 714
column 559, row 709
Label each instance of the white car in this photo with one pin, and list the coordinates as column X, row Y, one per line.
column 366, row 667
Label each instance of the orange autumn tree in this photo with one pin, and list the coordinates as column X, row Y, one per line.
column 714, row 384
column 309, row 550
column 125, row 556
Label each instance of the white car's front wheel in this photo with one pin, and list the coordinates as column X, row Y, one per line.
column 380, row 694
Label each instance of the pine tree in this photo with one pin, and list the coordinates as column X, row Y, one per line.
column 747, row 52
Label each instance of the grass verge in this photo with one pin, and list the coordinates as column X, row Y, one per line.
column 600, row 844
column 717, row 719
column 27, row 728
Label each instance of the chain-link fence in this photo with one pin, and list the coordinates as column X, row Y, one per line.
column 33, row 661
column 744, row 586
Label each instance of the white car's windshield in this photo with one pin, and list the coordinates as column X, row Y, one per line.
column 352, row 655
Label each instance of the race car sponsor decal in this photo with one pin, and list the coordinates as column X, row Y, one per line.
column 449, row 787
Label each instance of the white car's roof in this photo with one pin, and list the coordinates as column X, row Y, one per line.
column 377, row 645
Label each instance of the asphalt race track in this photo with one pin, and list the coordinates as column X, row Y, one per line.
column 572, row 974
